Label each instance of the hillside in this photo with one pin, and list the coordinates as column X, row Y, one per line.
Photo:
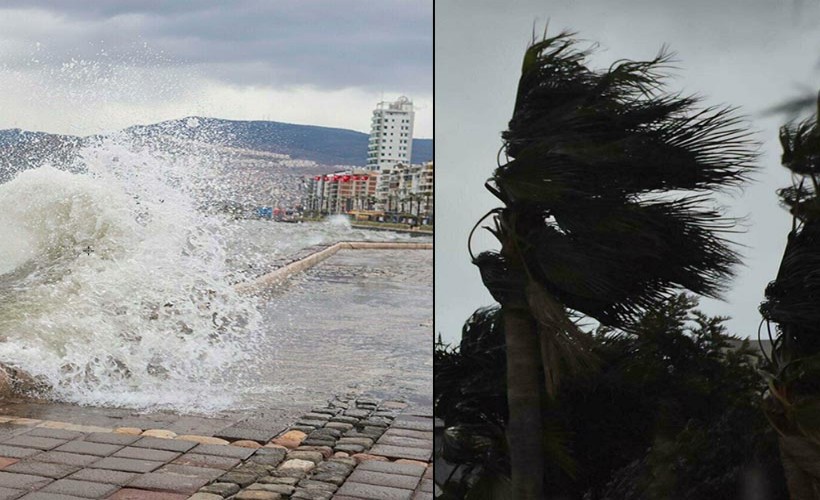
column 323, row 145
column 326, row 146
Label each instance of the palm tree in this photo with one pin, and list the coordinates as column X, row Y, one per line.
column 793, row 370
column 585, row 226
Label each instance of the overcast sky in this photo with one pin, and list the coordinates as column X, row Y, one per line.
column 91, row 66
column 748, row 53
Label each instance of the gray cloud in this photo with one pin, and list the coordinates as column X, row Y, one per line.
column 325, row 44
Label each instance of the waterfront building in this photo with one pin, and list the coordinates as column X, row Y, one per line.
column 391, row 134
column 341, row 192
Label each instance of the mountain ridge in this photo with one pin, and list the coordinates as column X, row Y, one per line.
column 323, row 145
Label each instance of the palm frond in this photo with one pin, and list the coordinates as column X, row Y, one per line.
column 586, row 147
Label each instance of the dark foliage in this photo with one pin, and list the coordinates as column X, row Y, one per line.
column 792, row 298
column 672, row 411
column 591, row 152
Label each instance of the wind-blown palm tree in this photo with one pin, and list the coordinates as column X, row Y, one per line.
column 793, row 305
column 583, row 226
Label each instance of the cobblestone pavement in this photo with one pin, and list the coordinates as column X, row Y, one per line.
column 348, row 449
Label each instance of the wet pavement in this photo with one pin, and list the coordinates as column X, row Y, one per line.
column 357, row 325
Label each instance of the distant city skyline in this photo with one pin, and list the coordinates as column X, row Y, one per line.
column 98, row 66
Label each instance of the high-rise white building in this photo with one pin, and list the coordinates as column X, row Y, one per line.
column 391, row 134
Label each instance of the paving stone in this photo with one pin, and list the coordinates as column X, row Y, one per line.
column 103, row 476
column 326, row 451
column 406, row 442
column 392, row 468
column 367, row 401
column 426, row 485
column 279, row 480
column 297, row 464
column 313, row 456
column 320, row 442
column 242, row 479
column 202, row 439
column 222, row 489
column 146, row 454
column 361, row 441
column 88, row 448
column 40, row 443
column 349, row 461
column 428, row 474
column 425, row 435
column 257, row 495
column 17, row 452
column 208, row 473
column 305, row 494
column 234, row 433
column 53, row 433
column 202, row 495
column 223, row 451
column 376, row 422
column 126, row 464
column 370, row 491
column 310, row 422
column 111, row 438
column 329, row 477
column 384, row 479
column 330, row 412
column 325, row 432
column 420, row 411
column 335, row 467
column 160, row 433
column 247, row 443
column 177, row 445
column 316, row 416
column 5, row 462
column 302, row 428
column 210, row 461
column 350, row 448
column 367, row 432
column 344, row 419
column 136, row 431
column 393, row 405
column 30, row 422
column 57, row 457
column 10, row 494
column 22, row 481
column 132, row 494
column 389, row 451
column 165, row 481
column 39, row 495
column 423, row 495
column 356, row 414
column 338, row 425
column 282, row 489
column 425, row 424
column 254, row 468
column 268, row 456
column 312, row 484
column 84, row 489
column 45, row 469
column 289, row 473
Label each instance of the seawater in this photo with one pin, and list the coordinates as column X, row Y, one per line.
column 116, row 289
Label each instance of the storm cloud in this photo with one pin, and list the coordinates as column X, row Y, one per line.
column 363, row 50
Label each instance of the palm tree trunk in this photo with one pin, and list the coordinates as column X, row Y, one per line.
column 524, row 429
